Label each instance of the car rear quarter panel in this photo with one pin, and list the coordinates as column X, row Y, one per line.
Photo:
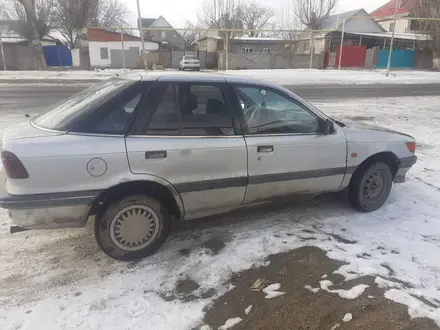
column 59, row 163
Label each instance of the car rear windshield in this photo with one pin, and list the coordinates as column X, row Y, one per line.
column 68, row 113
column 190, row 57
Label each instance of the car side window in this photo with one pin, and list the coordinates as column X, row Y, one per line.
column 191, row 110
column 114, row 118
column 164, row 120
column 118, row 118
column 267, row 112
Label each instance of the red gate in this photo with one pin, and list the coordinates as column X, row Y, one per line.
column 352, row 56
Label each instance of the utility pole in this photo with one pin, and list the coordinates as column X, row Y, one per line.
column 392, row 38
column 341, row 50
column 141, row 30
column 312, row 48
column 3, row 53
column 123, row 47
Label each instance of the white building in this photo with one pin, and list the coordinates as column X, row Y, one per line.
column 105, row 49
column 385, row 17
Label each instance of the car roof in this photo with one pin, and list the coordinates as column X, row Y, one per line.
column 198, row 77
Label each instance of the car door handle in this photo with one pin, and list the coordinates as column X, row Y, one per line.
column 265, row 149
column 155, row 154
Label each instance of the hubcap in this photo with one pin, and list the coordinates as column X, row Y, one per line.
column 134, row 227
column 373, row 187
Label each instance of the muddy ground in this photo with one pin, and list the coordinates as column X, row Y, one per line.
column 300, row 308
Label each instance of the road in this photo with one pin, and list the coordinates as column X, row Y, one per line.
column 24, row 97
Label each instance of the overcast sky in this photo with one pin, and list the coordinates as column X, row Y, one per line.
column 179, row 11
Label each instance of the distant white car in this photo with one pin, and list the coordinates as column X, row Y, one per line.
column 189, row 62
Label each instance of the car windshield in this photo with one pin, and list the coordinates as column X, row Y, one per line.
column 66, row 114
column 190, row 57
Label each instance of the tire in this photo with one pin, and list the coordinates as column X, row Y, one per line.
column 132, row 228
column 371, row 187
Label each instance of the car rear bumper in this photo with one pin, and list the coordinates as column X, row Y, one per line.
column 404, row 165
column 190, row 66
column 50, row 218
column 48, row 211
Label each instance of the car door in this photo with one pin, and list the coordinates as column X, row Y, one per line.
column 287, row 153
column 191, row 139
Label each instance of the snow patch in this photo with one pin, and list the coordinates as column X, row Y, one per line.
column 385, row 284
column 324, row 276
column 347, row 317
column 284, row 76
column 230, row 323
column 337, row 325
column 272, row 291
column 311, row 289
column 205, row 327
column 416, row 308
column 353, row 293
column 248, row 309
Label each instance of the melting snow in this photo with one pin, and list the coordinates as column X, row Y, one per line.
column 353, row 293
column 347, row 317
column 248, row 310
column 309, row 287
column 272, row 291
column 337, row 325
column 230, row 323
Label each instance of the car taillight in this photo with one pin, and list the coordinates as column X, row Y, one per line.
column 411, row 146
column 13, row 166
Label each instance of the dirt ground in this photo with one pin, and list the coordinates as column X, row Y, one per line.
column 299, row 308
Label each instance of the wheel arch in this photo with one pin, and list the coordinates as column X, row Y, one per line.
column 387, row 157
column 164, row 192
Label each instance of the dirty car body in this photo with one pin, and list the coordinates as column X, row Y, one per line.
column 140, row 150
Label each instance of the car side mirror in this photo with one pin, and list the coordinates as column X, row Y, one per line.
column 329, row 127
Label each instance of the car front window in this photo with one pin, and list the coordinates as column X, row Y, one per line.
column 267, row 112
column 65, row 115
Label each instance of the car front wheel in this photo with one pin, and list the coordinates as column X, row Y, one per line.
column 132, row 228
column 371, row 187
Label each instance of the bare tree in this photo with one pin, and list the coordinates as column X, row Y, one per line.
column 71, row 17
column 287, row 21
column 32, row 22
column 313, row 13
column 255, row 17
column 220, row 14
column 189, row 34
column 14, row 11
column 429, row 9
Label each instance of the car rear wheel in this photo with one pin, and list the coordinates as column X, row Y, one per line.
column 132, row 228
column 371, row 187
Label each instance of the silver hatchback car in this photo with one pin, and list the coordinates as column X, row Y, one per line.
column 139, row 151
